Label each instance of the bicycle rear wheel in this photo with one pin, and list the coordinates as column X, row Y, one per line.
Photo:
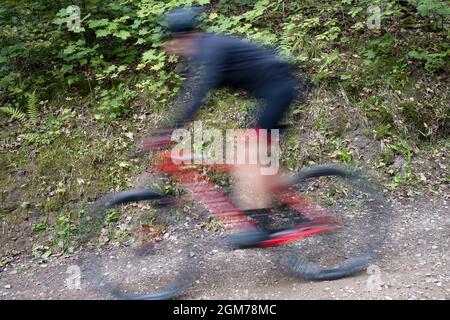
column 151, row 262
column 360, row 212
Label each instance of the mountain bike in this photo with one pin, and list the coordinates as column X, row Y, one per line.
column 341, row 217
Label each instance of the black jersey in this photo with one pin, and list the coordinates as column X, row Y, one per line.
column 227, row 61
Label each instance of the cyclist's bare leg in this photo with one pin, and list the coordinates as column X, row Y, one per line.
column 251, row 186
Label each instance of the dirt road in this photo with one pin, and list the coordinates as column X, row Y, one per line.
column 415, row 266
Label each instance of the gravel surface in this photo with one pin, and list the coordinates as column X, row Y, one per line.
column 415, row 265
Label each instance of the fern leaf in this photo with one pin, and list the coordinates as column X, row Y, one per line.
column 15, row 114
column 33, row 107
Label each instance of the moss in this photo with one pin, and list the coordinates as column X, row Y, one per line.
column 383, row 131
column 73, row 167
column 14, row 161
column 377, row 111
column 387, row 156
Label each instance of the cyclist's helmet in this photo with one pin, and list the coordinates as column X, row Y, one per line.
column 182, row 19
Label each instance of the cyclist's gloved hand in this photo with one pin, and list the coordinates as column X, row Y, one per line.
column 159, row 140
column 163, row 137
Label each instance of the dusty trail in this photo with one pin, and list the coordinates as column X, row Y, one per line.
column 415, row 266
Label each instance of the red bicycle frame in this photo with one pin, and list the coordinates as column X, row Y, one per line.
column 217, row 202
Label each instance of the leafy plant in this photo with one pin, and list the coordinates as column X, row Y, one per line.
column 41, row 252
column 112, row 216
column 4, row 261
column 432, row 61
column 114, row 103
column 15, row 113
column 39, row 226
column 33, row 107
column 432, row 8
column 65, row 229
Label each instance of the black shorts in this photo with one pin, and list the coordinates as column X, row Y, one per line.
column 276, row 98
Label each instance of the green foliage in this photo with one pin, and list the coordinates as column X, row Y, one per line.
column 403, row 148
column 112, row 216
column 33, row 107
column 432, row 61
column 431, row 7
column 341, row 152
column 121, row 41
column 41, row 252
column 112, row 40
column 15, row 113
column 4, row 261
column 39, row 226
column 65, row 229
column 32, row 111
column 114, row 103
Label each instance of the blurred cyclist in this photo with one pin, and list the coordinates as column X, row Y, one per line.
column 227, row 61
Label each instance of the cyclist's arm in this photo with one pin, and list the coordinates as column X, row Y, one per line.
column 212, row 61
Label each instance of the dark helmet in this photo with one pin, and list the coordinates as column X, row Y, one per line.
column 182, row 19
